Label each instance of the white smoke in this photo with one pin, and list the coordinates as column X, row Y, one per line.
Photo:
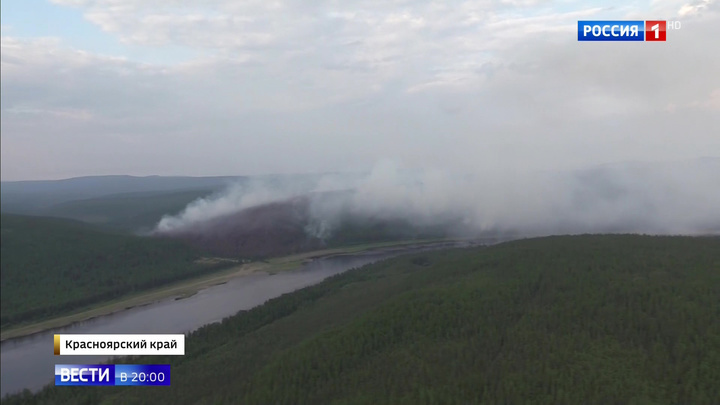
column 237, row 197
column 669, row 198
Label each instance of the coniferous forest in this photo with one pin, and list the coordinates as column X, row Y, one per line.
column 559, row 320
column 53, row 266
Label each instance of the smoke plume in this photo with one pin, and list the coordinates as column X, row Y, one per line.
column 659, row 198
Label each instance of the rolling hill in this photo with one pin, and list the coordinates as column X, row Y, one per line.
column 284, row 227
column 30, row 197
column 137, row 212
column 51, row 266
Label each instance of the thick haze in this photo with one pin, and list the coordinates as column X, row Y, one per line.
column 241, row 88
column 671, row 198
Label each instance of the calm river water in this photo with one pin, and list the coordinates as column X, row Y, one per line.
column 28, row 362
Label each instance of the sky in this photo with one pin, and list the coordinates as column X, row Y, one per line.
column 221, row 87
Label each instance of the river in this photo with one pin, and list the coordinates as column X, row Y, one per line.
column 28, row 362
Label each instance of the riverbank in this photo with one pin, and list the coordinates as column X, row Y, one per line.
column 192, row 286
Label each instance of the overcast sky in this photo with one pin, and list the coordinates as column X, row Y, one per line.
column 222, row 87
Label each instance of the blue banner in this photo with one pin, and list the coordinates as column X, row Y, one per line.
column 611, row 31
column 142, row 374
column 112, row 374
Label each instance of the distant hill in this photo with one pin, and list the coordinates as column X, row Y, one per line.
column 663, row 197
column 283, row 227
column 30, row 197
column 127, row 203
column 256, row 232
column 50, row 266
column 131, row 212
column 593, row 319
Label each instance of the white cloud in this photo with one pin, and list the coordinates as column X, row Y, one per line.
column 285, row 86
column 698, row 7
column 69, row 113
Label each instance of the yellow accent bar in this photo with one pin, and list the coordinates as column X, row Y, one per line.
column 57, row 345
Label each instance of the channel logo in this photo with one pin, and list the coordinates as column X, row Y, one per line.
column 112, row 374
column 648, row 31
column 84, row 374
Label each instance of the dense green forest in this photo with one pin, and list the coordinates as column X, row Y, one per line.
column 50, row 266
column 556, row 320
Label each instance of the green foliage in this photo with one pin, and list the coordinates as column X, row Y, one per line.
column 128, row 212
column 558, row 320
column 52, row 266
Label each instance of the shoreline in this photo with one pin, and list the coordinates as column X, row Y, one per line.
column 189, row 287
